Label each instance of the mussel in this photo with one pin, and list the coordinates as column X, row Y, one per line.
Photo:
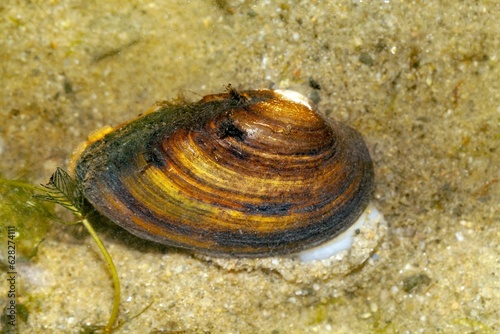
column 253, row 173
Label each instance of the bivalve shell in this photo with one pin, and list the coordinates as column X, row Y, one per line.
column 245, row 173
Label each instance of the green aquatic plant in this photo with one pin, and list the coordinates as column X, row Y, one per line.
column 21, row 312
column 24, row 219
column 24, row 222
column 25, row 215
column 63, row 190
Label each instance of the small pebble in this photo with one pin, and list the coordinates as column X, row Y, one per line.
column 460, row 237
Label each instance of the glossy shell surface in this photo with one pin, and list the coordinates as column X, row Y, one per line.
column 248, row 174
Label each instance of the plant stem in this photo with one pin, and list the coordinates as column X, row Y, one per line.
column 114, row 275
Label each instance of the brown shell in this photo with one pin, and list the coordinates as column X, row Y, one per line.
column 251, row 173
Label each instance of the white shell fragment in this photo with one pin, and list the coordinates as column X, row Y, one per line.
column 295, row 97
column 343, row 241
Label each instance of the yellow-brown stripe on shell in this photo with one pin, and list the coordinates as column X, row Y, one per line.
column 251, row 173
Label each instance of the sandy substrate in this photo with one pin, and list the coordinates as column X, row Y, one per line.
column 420, row 81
